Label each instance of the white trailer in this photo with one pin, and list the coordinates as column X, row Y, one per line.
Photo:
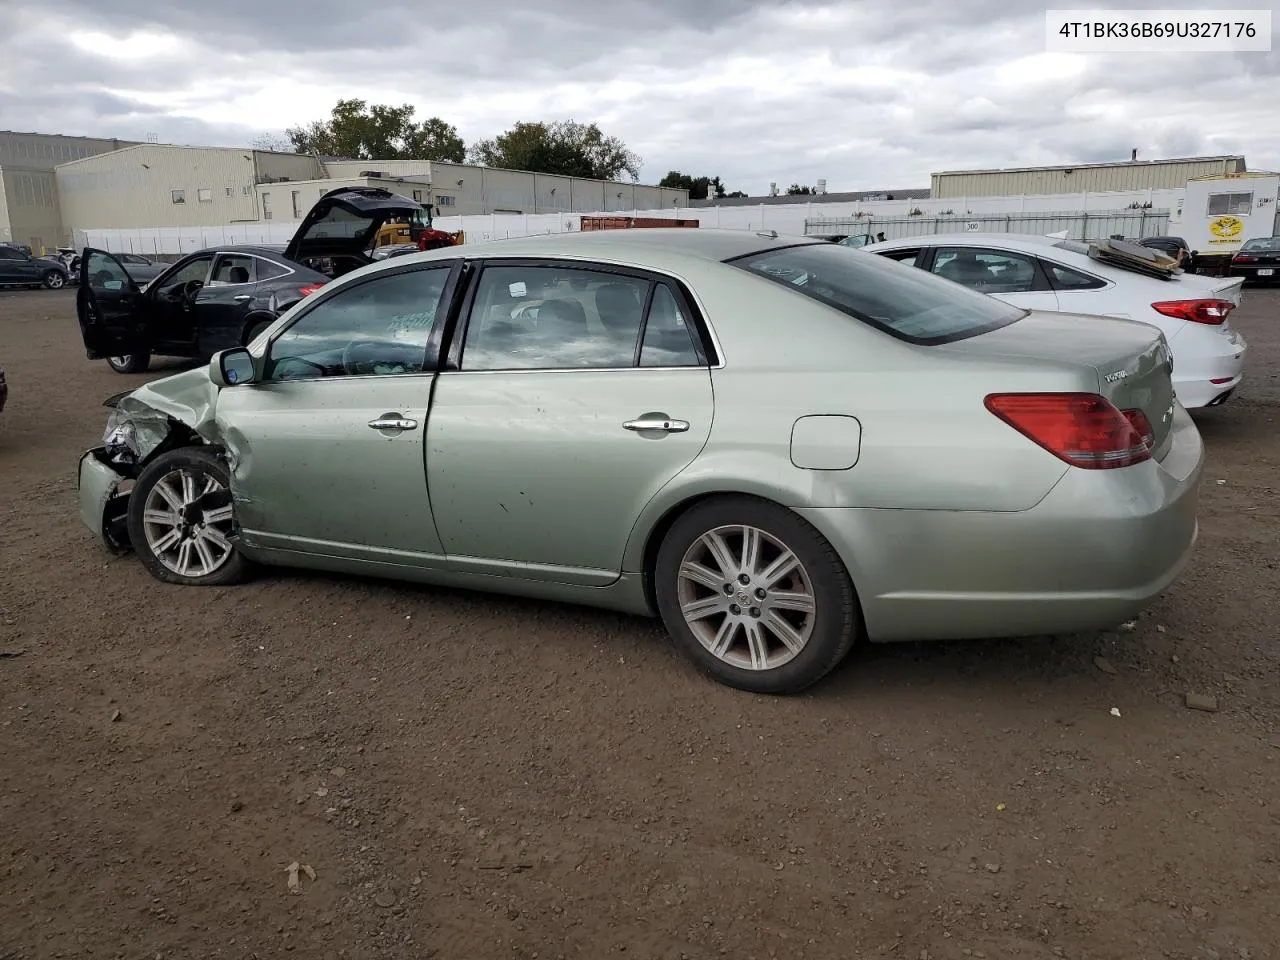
column 1218, row 214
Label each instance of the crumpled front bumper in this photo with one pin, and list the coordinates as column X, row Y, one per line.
column 103, row 508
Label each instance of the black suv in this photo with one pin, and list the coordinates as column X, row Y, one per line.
column 18, row 268
column 223, row 297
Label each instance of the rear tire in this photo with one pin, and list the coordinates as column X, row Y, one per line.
column 130, row 362
column 180, row 519
column 755, row 595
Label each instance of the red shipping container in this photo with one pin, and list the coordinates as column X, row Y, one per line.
column 625, row 223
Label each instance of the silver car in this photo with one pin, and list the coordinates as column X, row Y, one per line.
column 777, row 445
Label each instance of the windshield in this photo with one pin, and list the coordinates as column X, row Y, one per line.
column 903, row 301
column 1263, row 245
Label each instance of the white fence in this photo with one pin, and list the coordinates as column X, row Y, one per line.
column 1078, row 225
column 782, row 217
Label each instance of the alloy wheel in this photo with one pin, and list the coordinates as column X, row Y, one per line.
column 187, row 519
column 746, row 597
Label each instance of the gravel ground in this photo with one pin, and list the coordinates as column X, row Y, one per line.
column 473, row 777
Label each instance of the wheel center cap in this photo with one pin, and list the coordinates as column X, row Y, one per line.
column 744, row 599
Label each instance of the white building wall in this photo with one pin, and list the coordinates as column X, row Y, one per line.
column 1090, row 178
column 154, row 185
column 464, row 189
column 351, row 169
column 29, row 207
column 44, row 151
column 293, row 166
column 290, row 202
column 6, row 230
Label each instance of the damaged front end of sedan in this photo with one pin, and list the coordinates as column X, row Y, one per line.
column 143, row 424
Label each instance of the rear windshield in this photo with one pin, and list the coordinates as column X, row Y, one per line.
column 903, row 301
column 1265, row 244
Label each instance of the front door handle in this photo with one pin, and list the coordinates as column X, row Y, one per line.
column 656, row 421
column 242, row 298
column 393, row 421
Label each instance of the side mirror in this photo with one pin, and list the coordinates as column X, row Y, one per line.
column 228, row 368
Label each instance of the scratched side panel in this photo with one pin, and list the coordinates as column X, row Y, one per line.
column 533, row 474
column 310, row 474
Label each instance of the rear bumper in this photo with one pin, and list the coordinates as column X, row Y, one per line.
column 1093, row 553
column 1207, row 366
column 102, row 506
column 1256, row 272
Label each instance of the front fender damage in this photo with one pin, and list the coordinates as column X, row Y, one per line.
column 170, row 413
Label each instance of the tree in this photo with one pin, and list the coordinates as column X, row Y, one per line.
column 700, row 188
column 378, row 132
column 795, row 190
column 736, row 193
column 562, row 147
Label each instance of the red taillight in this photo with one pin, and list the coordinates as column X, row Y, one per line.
column 310, row 288
column 1212, row 312
column 1083, row 429
column 1142, row 425
column 1244, row 258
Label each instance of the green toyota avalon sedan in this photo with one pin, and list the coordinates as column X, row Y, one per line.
column 778, row 445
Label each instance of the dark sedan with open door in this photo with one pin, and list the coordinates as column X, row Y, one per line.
column 223, row 297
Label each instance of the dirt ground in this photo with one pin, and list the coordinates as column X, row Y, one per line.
column 472, row 777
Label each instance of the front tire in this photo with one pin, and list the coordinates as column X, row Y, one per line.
column 180, row 520
column 755, row 596
column 53, row 280
column 130, row 362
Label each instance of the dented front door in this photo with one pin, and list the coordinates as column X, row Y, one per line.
column 327, row 445
column 332, row 466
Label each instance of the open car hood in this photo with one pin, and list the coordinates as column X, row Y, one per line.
column 344, row 222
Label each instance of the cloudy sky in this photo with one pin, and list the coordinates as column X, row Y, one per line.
column 865, row 93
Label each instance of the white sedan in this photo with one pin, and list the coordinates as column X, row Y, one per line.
column 1051, row 273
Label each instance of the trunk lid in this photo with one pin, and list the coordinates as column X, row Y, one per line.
column 1131, row 360
column 1193, row 285
column 345, row 221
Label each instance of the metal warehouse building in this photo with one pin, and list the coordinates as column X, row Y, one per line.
column 29, row 208
column 1081, row 177
column 158, row 186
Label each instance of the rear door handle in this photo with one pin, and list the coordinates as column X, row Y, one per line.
column 655, row 422
column 391, row 422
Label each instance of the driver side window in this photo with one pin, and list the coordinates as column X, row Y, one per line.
column 192, row 272
column 376, row 328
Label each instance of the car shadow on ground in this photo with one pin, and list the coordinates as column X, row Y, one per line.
column 1006, row 663
column 1233, row 422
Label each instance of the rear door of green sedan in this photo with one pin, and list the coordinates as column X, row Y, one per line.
column 572, row 393
column 328, row 443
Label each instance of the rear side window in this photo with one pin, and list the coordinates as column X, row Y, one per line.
column 902, row 301
column 1064, row 278
column 908, row 257
column 269, row 271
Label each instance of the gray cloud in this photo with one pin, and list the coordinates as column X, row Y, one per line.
column 863, row 93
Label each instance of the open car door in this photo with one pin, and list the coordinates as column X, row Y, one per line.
column 344, row 224
column 108, row 307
